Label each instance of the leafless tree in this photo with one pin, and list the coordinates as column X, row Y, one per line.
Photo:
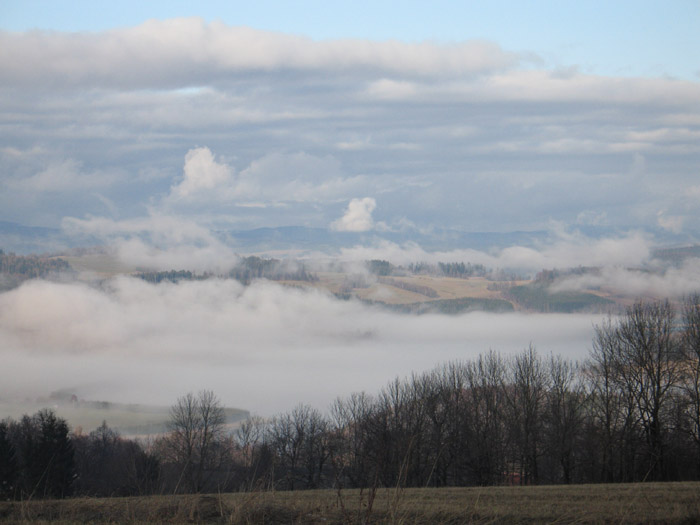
column 351, row 440
column 564, row 415
column 650, row 367
column 637, row 368
column 691, row 366
column 196, row 429
column 483, row 427
column 525, row 392
column 300, row 441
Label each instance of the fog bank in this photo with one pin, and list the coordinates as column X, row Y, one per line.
column 264, row 347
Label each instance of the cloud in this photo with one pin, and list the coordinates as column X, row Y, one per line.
column 565, row 251
column 167, row 52
column 64, row 176
column 202, row 172
column 158, row 242
column 358, row 216
column 275, row 178
column 663, row 283
column 264, row 347
column 670, row 223
column 465, row 135
column 299, row 177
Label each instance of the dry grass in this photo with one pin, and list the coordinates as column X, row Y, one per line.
column 445, row 287
column 659, row 503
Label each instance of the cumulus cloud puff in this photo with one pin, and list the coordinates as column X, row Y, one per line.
column 275, row 178
column 202, row 172
column 358, row 216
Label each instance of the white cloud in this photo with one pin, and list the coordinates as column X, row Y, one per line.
column 565, row 252
column 167, row 52
column 358, row 216
column 672, row 282
column 275, row 178
column 202, row 172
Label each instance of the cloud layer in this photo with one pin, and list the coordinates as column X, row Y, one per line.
column 562, row 251
column 166, row 53
column 465, row 135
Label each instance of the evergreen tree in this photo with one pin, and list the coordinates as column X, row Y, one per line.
column 54, row 452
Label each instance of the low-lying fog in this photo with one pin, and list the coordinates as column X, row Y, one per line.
column 264, row 348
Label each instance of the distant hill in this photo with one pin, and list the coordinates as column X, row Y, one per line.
column 25, row 240
column 127, row 419
column 34, row 239
column 677, row 255
column 303, row 238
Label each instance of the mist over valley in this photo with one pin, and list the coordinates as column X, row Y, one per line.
column 266, row 332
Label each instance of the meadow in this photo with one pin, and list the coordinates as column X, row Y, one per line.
column 659, row 503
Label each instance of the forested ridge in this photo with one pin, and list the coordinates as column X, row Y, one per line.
column 15, row 269
column 630, row 412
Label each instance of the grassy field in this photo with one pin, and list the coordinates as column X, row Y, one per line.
column 659, row 503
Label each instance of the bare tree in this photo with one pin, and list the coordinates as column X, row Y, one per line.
column 300, row 440
column 650, row 369
column 349, row 453
column 564, row 414
column 637, row 368
column 691, row 367
column 482, row 437
column 525, row 391
column 249, row 434
column 196, row 429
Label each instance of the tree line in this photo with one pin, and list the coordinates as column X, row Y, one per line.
column 629, row 412
column 15, row 269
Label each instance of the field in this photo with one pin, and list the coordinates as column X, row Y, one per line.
column 672, row 503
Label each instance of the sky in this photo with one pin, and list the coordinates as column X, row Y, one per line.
column 622, row 38
column 474, row 116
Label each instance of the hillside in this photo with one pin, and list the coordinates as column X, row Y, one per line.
column 447, row 288
column 132, row 420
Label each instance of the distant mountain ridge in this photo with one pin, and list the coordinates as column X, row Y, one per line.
column 306, row 238
column 22, row 239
